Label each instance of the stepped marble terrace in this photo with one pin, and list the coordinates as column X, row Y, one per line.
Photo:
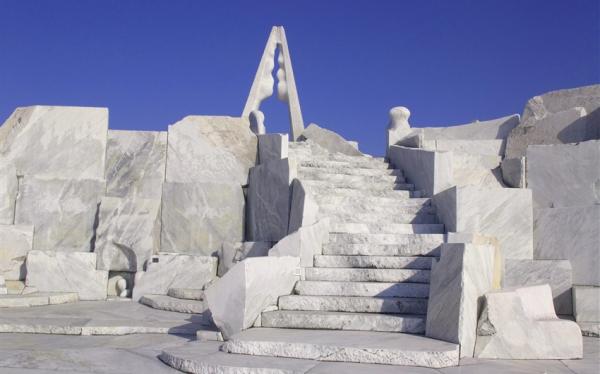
column 218, row 247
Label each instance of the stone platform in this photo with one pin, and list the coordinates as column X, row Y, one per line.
column 101, row 318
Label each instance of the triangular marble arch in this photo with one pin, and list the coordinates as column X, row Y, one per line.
column 262, row 87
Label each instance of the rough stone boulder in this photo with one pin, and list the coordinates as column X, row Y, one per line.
column 50, row 271
column 521, row 324
column 329, row 140
column 237, row 299
column 56, row 141
column 210, row 149
column 15, row 242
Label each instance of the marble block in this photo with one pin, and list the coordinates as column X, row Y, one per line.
column 504, row 213
column 304, row 210
column 237, row 299
column 564, row 175
column 15, row 242
column 304, row 243
column 556, row 273
column 56, row 141
column 171, row 270
column 9, row 187
column 232, row 253
column 63, row 211
column 329, row 140
column 197, row 218
column 3, row 288
column 268, row 206
column 272, row 147
column 429, row 171
column 586, row 303
column 570, row 234
column 513, row 172
column 128, row 233
column 50, row 271
column 459, row 279
column 210, row 149
column 116, row 279
column 587, row 97
column 497, row 128
column 520, row 324
column 135, row 163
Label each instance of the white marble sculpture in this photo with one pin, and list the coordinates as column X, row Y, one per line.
column 262, row 87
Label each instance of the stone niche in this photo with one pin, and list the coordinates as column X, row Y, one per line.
column 210, row 149
column 56, row 142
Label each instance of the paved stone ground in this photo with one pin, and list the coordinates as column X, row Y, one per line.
column 36, row 353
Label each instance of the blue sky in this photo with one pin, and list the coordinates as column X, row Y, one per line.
column 153, row 62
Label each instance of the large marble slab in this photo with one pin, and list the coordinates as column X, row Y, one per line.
column 9, row 187
column 197, row 218
column 272, row 147
column 329, row 140
column 232, row 253
column 63, row 211
column 50, row 271
column 128, row 233
column 172, row 270
column 497, row 128
column 268, row 207
column 15, row 242
column 521, row 324
column 237, row 299
column 459, row 279
column 570, row 234
column 586, row 304
column 304, row 210
column 556, row 273
column 68, row 142
column 135, row 163
column 214, row 149
column 305, row 243
column 565, row 174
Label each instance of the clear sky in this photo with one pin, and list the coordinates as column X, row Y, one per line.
column 153, row 62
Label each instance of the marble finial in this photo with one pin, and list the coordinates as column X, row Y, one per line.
column 257, row 122
column 399, row 118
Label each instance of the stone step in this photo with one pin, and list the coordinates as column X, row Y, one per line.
column 367, row 249
column 318, row 191
column 207, row 358
column 349, row 179
column 354, row 304
column 376, row 218
column 37, row 299
column 332, row 199
column 331, row 164
column 173, row 304
column 406, row 239
column 367, row 275
column 386, row 228
column 296, row 319
column 348, row 171
column 381, row 289
column 186, row 293
column 401, row 207
column 310, row 183
column 345, row 346
column 374, row 262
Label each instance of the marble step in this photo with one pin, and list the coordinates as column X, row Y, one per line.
column 351, row 180
column 386, row 228
column 37, row 299
column 310, row 183
column 381, row 289
column 369, row 249
column 186, row 293
column 349, row 170
column 298, row 319
column 345, row 346
column 377, row 218
column 367, row 275
column 173, row 304
column 331, row 164
column 401, row 207
column 318, row 191
column 374, row 262
column 207, row 358
column 406, row 239
column 354, row 304
column 331, row 199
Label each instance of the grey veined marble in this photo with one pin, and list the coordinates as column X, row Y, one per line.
column 210, row 149
column 56, row 141
column 135, row 163
column 128, row 233
column 197, row 218
column 63, row 211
